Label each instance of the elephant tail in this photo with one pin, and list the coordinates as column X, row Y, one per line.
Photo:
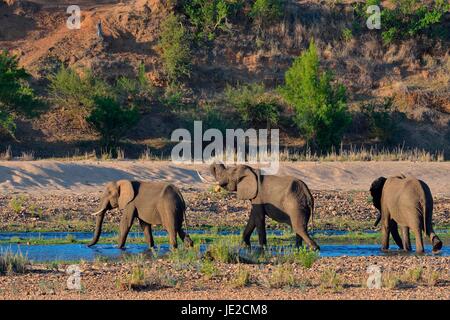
column 183, row 207
column 311, row 209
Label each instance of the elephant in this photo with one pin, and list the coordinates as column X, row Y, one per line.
column 406, row 202
column 153, row 203
column 282, row 198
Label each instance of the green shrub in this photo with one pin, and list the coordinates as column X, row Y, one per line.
column 347, row 34
column 17, row 204
column 223, row 251
column 320, row 106
column 13, row 263
column 214, row 118
column 329, row 279
column 302, row 256
column 69, row 88
column 381, row 121
column 264, row 12
column 176, row 53
column 283, row 276
column 173, row 98
column 241, row 278
column 184, row 257
column 209, row 269
column 409, row 19
column 16, row 97
column 253, row 104
column 138, row 89
column 111, row 120
column 208, row 16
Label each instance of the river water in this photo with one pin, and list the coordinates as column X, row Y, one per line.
column 76, row 251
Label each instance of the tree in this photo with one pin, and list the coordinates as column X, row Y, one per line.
column 320, row 106
column 175, row 47
column 111, row 120
column 16, row 97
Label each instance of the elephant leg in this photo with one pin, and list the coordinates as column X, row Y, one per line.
column 126, row 222
column 147, row 228
column 436, row 242
column 419, row 240
column 172, row 236
column 251, row 225
column 385, row 237
column 298, row 241
column 301, row 231
column 393, row 228
column 260, row 221
column 185, row 238
column 406, row 239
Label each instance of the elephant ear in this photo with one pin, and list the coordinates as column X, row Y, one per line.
column 126, row 193
column 247, row 183
column 216, row 168
column 376, row 190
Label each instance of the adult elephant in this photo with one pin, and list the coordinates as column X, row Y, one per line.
column 153, row 203
column 406, row 202
column 284, row 199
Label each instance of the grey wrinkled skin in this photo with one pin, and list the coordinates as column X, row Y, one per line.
column 406, row 202
column 282, row 198
column 152, row 203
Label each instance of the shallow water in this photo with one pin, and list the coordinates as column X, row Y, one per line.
column 7, row 236
column 75, row 252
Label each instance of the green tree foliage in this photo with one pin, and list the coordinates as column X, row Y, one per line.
column 264, row 12
column 321, row 111
column 16, row 97
column 409, row 19
column 253, row 104
column 208, row 16
column 382, row 121
column 175, row 46
column 111, row 120
column 70, row 89
column 137, row 89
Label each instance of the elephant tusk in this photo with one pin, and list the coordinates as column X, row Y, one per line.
column 202, row 179
column 96, row 213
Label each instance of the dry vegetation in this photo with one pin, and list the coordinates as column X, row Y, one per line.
column 413, row 73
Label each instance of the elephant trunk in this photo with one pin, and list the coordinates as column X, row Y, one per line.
column 98, row 224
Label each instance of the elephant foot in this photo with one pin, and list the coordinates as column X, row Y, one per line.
column 188, row 242
column 437, row 245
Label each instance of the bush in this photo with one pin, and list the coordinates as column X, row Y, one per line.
column 303, row 256
column 241, row 278
column 137, row 90
column 253, row 104
column 329, row 279
column 68, row 88
column 16, row 97
column 175, row 47
column 208, row 16
column 264, row 12
column 320, row 106
column 13, row 263
column 409, row 18
column 381, row 121
column 111, row 120
column 223, row 251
